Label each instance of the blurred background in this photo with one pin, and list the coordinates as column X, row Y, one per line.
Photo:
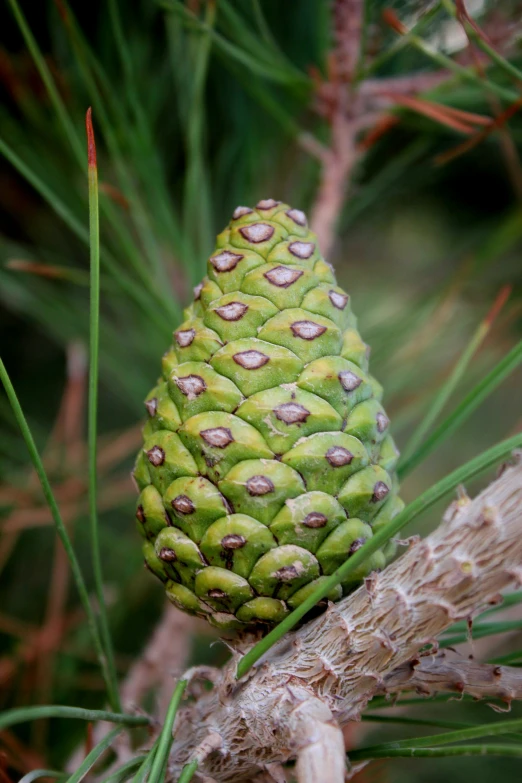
column 199, row 107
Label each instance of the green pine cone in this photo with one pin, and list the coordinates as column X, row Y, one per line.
column 267, row 460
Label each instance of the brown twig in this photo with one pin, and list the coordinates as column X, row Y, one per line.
column 335, row 98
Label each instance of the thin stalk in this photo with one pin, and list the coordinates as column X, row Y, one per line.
column 74, row 140
column 47, row 194
column 432, row 753
column 471, row 732
column 441, row 724
column 143, row 772
column 383, row 703
column 59, row 524
column 295, row 81
column 45, row 74
column 447, row 389
column 363, row 39
column 399, row 43
column 196, row 198
column 188, row 772
column 22, row 714
column 418, row 506
column 123, row 773
column 165, row 739
column 94, row 346
column 463, row 411
column 129, row 286
column 510, row 658
column 92, row 757
column 263, row 27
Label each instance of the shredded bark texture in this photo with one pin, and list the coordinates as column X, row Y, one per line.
column 293, row 703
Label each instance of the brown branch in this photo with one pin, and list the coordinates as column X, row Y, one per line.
column 435, row 674
column 336, row 100
column 295, row 701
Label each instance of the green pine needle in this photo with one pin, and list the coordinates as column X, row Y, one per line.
column 463, row 411
column 165, row 740
column 434, row 753
column 458, row 372
column 95, row 754
column 188, row 772
column 124, row 772
column 94, row 345
column 23, row 714
column 60, row 526
column 471, row 732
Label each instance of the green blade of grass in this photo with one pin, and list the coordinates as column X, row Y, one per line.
column 433, row 753
column 441, row 724
column 143, row 772
column 471, row 732
column 72, row 136
column 92, row 435
column 263, row 48
column 188, row 772
column 447, row 389
column 413, row 510
column 165, row 739
column 46, row 193
column 134, row 291
column 59, row 524
column 92, row 757
column 263, row 27
column 152, row 171
column 23, row 714
column 266, row 70
column 124, row 772
column 363, row 39
column 196, row 197
column 70, row 131
column 462, row 412
column 159, row 285
column 510, row 658
column 383, row 703
column 399, row 43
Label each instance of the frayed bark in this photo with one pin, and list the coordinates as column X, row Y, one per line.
column 324, row 675
column 439, row 674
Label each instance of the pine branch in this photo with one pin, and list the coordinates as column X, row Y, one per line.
column 295, row 701
column 435, row 674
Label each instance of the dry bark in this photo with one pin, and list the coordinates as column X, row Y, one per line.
column 294, row 702
column 438, row 673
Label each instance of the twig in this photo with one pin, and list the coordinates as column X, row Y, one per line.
column 435, row 674
column 340, row 158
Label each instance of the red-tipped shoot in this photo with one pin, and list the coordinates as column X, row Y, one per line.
column 500, row 300
column 91, row 144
